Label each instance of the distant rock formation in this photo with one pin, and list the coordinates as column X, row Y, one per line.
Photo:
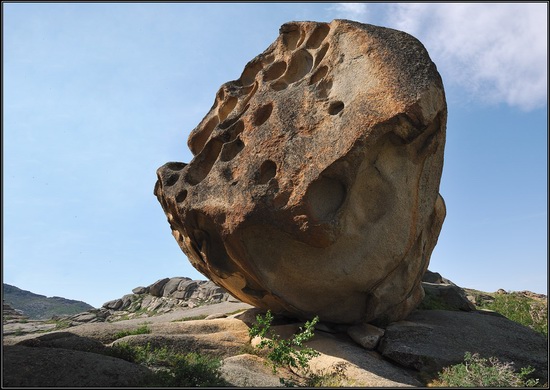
column 40, row 307
column 314, row 184
column 163, row 296
column 9, row 313
column 168, row 294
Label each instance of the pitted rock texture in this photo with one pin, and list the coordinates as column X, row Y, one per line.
column 314, row 187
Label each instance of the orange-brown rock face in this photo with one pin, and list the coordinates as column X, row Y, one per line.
column 314, row 184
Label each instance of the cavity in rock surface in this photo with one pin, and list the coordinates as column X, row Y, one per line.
column 314, row 187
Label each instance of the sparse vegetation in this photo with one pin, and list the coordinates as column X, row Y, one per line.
column 336, row 377
column 516, row 307
column 480, row 372
column 59, row 324
column 292, row 352
column 284, row 352
column 192, row 318
column 172, row 369
column 144, row 329
column 433, row 302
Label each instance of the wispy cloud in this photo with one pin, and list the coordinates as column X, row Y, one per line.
column 497, row 52
column 353, row 11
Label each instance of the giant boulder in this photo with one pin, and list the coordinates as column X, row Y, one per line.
column 314, row 187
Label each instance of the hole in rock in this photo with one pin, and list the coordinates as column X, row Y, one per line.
column 235, row 130
column 290, row 36
column 275, row 71
column 319, row 74
column 321, row 54
column 250, row 71
column 279, row 85
column 268, row 170
column 323, row 88
column 227, row 107
column 262, row 114
column 202, row 136
column 325, row 196
column 317, row 36
column 231, row 149
column 300, row 65
column 302, row 37
column 202, row 164
column 170, row 179
column 180, row 197
column 175, row 166
column 335, row 107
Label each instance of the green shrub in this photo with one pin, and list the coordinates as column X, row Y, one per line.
column 281, row 352
column 172, row 369
column 521, row 309
column 144, row 329
column 189, row 370
column 479, row 372
column 192, row 318
column 336, row 377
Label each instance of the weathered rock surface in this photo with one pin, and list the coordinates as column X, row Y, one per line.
column 361, row 368
column 426, row 341
column 248, row 371
column 314, row 184
column 429, row 340
column 55, row 367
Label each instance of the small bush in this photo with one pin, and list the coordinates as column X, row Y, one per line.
column 192, row 318
column 189, row 370
column 333, row 378
column 144, row 329
column 284, row 352
column 479, row 372
column 521, row 309
column 172, row 369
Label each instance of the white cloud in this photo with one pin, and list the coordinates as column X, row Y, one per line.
column 497, row 52
column 353, row 11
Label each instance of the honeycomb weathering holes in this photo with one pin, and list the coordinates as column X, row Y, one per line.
column 319, row 74
column 227, row 107
column 275, row 71
column 335, row 107
column 321, row 54
column 231, row 149
column 317, row 36
column 205, row 160
column 175, row 166
column 300, row 65
column 250, row 71
column 180, row 197
column 170, row 179
column 268, row 170
column 262, row 114
column 291, row 35
column 325, row 197
column 201, row 137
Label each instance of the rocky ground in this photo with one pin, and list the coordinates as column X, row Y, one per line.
column 404, row 354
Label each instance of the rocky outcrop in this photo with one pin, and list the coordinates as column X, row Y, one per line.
column 408, row 353
column 55, row 367
column 441, row 293
column 314, row 184
column 162, row 296
column 11, row 314
column 429, row 340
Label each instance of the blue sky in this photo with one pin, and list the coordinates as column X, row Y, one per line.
column 97, row 96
